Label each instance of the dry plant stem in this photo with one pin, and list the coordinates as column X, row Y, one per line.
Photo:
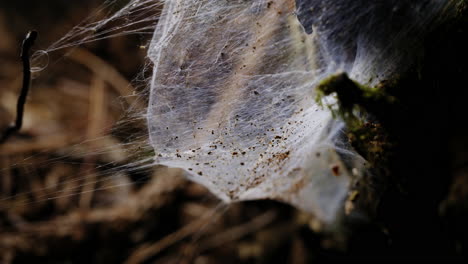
column 106, row 72
column 6, row 181
column 235, row 233
column 41, row 144
column 156, row 194
column 147, row 251
column 97, row 119
column 28, row 42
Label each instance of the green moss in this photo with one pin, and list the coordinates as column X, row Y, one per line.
column 356, row 105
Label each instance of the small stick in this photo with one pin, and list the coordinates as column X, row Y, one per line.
column 28, row 42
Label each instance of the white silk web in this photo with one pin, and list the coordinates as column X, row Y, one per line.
column 232, row 103
column 232, row 96
column 233, row 91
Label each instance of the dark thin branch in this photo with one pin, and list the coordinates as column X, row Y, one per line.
column 28, row 42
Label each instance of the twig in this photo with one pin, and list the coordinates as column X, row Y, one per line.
column 28, row 42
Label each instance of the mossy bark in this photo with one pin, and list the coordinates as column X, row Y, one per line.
column 406, row 129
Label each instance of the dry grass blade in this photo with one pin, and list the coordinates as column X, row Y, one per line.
column 239, row 231
column 106, row 72
column 147, row 251
column 97, row 119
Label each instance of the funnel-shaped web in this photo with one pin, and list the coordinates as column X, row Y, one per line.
column 233, row 92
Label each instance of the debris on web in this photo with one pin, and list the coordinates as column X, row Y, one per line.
column 234, row 85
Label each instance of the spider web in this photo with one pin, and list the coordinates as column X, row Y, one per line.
column 233, row 89
column 232, row 96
